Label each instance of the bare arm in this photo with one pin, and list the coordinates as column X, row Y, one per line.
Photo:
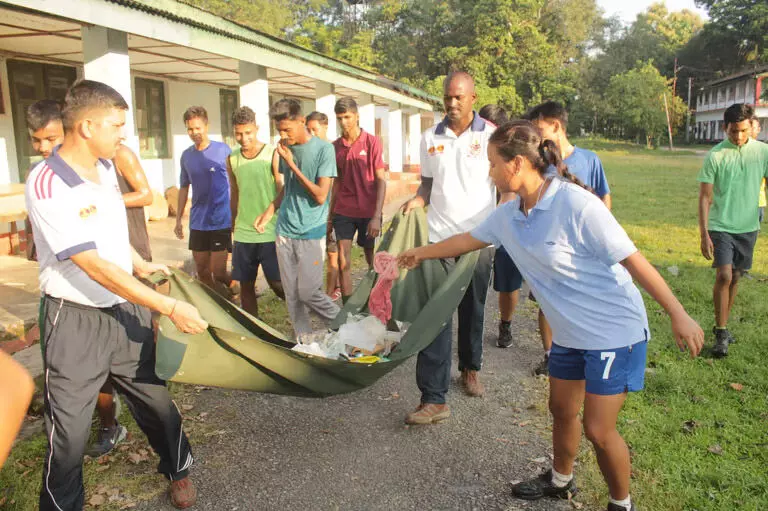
column 452, row 247
column 318, row 191
column 276, row 173
column 686, row 330
column 422, row 195
column 374, row 226
column 186, row 318
column 16, row 390
column 183, row 193
column 263, row 219
column 129, row 166
column 234, row 192
column 705, row 203
column 607, row 201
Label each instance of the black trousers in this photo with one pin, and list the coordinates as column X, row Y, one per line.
column 433, row 364
column 82, row 348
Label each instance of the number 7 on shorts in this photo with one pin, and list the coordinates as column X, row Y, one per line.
column 611, row 356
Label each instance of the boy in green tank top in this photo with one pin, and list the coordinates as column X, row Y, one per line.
column 254, row 183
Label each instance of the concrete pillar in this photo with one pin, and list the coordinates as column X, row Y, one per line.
column 414, row 138
column 254, row 93
column 105, row 57
column 325, row 100
column 395, row 137
column 367, row 110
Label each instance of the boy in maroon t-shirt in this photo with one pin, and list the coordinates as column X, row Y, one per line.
column 358, row 192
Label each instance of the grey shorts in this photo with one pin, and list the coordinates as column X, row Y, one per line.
column 733, row 249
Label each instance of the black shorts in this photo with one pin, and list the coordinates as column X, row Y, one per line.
column 733, row 249
column 247, row 257
column 210, row 241
column 506, row 276
column 346, row 226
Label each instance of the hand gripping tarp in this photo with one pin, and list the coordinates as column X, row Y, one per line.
column 238, row 351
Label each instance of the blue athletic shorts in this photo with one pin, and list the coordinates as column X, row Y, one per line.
column 607, row 372
column 247, row 257
column 506, row 276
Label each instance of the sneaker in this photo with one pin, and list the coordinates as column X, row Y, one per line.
column 616, row 507
column 731, row 338
column 108, row 439
column 722, row 340
column 471, row 382
column 183, row 493
column 543, row 367
column 542, row 486
column 428, row 413
column 505, row 336
column 336, row 295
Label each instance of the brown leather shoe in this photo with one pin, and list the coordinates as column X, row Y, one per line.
column 428, row 413
column 183, row 493
column 471, row 381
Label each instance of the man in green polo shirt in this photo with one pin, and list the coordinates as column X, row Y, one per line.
column 254, row 183
column 728, row 214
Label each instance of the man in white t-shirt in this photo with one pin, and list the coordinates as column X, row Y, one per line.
column 95, row 323
column 460, row 194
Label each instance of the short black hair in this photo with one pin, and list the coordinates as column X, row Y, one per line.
column 494, row 113
column 285, row 109
column 196, row 112
column 738, row 112
column 548, row 110
column 41, row 113
column 243, row 115
column 345, row 105
column 87, row 95
column 319, row 117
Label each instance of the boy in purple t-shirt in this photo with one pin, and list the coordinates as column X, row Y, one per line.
column 358, row 192
column 204, row 166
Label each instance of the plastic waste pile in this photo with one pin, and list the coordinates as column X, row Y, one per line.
column 362, row 338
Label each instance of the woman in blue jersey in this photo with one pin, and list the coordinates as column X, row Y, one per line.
column 580, row 265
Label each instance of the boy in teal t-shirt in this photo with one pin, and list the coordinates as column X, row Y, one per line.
column 728, row 212
column 309, row 166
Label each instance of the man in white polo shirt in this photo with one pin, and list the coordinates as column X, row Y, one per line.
column 460, row 194
column 95, row 323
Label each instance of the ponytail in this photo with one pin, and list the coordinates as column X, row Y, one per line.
column 550, row 153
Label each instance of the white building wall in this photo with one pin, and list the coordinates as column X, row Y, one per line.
column 9, row 166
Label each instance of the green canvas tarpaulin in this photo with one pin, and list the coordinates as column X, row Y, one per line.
column 239, row 351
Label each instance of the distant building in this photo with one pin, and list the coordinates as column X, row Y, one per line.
column 714, row 97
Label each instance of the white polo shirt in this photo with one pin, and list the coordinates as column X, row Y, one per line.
column 463, row 194
column 71, row 215
column 568, row 249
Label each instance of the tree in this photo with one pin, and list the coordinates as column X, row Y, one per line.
column 742, row 25
column 636, row 99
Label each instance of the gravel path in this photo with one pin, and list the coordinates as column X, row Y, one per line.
column 355, row 452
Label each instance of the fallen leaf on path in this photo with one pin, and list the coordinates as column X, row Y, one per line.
column 127, row 505
column 523, row 424
column 102, row 468
column 543, row 459
column 715, row 449
column 187, row 408
column 97, row 500
column 135, row 458
column 503, row 440
column 737, row 387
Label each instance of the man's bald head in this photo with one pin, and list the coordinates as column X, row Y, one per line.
column 459, row 98
column 461, row 77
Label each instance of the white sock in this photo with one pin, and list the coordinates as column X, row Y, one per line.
column 559, row 480
column 546, row 353
column 626, row 503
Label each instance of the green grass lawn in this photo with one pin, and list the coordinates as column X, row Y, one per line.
column 697, row 442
